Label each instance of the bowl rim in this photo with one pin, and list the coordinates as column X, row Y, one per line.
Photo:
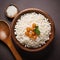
column 29, row 10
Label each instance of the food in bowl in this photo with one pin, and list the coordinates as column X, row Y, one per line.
column 11, row 11
column 32, row 30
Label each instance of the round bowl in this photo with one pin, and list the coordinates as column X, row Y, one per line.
column 29, row 10
column 15, row 14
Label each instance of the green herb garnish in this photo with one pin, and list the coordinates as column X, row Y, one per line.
column 36, row 30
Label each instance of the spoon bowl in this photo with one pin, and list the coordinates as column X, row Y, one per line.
column 4, row 30
column 5, row 36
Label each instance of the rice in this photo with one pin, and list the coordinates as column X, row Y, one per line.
column 27, row 20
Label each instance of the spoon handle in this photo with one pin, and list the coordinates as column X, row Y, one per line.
column 12, row 48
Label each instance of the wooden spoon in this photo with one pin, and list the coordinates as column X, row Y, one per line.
column 5, row 36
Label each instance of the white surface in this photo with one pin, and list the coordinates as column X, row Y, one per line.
column 11, row 11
